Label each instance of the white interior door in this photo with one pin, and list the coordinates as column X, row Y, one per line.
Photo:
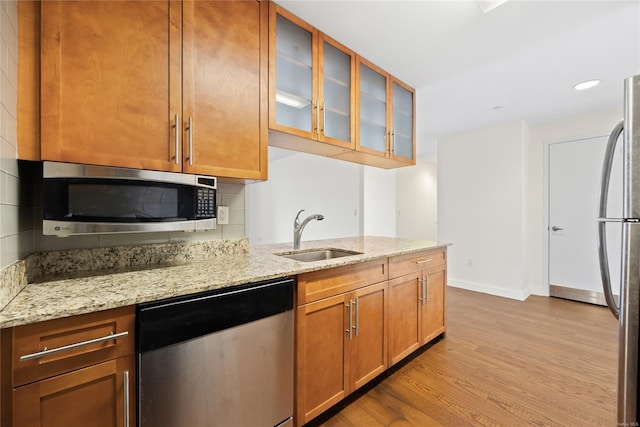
column 575, row 169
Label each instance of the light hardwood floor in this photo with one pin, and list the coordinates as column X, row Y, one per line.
column 541, row 362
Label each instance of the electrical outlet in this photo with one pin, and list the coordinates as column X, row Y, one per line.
column 469, row 262
column 223, row 215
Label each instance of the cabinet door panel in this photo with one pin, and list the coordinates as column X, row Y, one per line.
column 292, row 86
column 320, row 356
column 92, row 396
column 402, row 122
column 336, row 79
column 107, row 82
column 372, row 109
column 404, row 316
column 433, row 311
column 225, row 46
column 367, row 346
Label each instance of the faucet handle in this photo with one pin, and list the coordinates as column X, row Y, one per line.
column 296, row 221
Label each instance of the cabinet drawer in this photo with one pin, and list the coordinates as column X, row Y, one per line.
column 45, row 349
column 326, row 283
column 417, row 261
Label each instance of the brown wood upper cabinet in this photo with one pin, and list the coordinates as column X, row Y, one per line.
column 311, row 84
column 162, row 85
column 385, row 119
column 320, row 91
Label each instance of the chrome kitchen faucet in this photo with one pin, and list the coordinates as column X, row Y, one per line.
column 299, row 226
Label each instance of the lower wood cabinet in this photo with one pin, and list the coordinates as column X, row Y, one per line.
column 99, row 395
column 353, row 322
column 340, row 339
column 416, row 302
column 367, row 337
column 74, row 371
column 341, row 346
column 433, row 305
column 320, row 356
column 404, row 316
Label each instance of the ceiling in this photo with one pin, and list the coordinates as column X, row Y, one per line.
column 473, row 69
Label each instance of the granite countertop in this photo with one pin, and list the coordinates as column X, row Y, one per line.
column 73, row 296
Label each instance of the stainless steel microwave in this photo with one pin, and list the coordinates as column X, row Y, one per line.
column 86, row 199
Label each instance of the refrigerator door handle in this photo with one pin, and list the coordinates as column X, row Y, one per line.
column 602, row 214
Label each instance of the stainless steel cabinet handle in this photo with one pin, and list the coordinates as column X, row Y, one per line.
column 357, row 314
column 324, row 117
column 177, row 140
column 424, row 261
column 425, row 300
column 393, row 141
column 46, row 352
column 126, row 398
column 350, row 328
column 317, row 118
column 424, row 290
column 556, row 228
column 190, row 129
column 421, row 297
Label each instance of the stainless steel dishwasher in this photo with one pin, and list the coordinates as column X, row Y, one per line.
column 219, row 358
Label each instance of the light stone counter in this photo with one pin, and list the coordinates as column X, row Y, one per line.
column 68, row 297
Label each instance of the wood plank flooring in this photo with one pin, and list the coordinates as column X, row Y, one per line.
column 541, row 362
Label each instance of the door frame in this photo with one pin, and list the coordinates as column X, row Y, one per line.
column 546, row 204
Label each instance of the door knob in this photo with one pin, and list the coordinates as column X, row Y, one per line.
column 556, row 228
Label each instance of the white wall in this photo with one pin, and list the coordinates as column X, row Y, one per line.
column 481, row 208
column 492, row 201
column 355, row 200
column 303, row 181
column 417, row 201
column 379, row 201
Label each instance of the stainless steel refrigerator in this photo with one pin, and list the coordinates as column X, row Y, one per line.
column 627, row 308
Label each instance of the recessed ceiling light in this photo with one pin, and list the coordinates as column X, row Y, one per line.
column 488, row 5
column 586, row 85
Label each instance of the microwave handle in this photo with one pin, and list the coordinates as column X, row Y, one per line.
column 72, row 228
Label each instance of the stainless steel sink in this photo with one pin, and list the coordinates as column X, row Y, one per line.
column 310, row 255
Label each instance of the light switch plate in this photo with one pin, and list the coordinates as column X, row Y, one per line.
column 223, row 215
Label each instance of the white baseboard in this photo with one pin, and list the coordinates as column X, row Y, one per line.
column 488, row 289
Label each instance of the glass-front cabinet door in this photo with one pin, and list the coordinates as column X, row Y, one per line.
column 372, row 109
column 312, row 86
column 293, row 109
column 324, row 99
column 402, row 122
column 336, row 93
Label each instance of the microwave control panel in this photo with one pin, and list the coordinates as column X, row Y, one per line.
column 206, row 203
